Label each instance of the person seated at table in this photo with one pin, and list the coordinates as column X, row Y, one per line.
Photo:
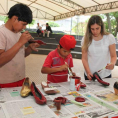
column 39, row 30
column 98, row 49
column 12, row 49
column 59, row 60
column 48, row 30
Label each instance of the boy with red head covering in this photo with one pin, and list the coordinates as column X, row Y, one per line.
column 59, row 60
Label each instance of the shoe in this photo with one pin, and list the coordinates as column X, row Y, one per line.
column 96, row 75
column 39, row 98
column 37, row 41
column 47, row 89
column 26, row 90
column 82, row 85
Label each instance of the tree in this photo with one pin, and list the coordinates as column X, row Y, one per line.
column 2, row 18
column 115, row 15
column 32, row 23
column 6, row 19
column 53, row 24
column 79, row 28
column 109, row 23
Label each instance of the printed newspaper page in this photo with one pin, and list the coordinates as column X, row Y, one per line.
column 27, row 109
column 108, row 96
column 2, row 114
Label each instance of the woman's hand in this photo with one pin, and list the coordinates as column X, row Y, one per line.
column 89, row 75
column 110, row 66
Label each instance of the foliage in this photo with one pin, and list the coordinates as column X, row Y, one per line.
column 32, row 23
column 80, row 28
column 2, row 18
column 6, row 19
column 53, row 24
column 113, row 21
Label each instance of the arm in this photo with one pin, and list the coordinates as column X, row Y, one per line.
column 47, row 66
column 48, row 70
column 85, row 64
column 112, row 49
column 6, row 56
column 71, row 65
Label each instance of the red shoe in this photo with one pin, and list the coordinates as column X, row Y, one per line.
column 96, row 75
column 82, row 85
column 37, row 41
column 39, row 98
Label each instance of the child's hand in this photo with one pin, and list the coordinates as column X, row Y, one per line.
column 64, row 67
column 33, row 46
column 25, row 37
column 74, row 74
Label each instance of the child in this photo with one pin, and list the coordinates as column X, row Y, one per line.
column 58, row 61
column 12, row 50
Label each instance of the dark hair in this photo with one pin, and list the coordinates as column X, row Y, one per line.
column 62, row 47
column 46, row 23
column 22, row 11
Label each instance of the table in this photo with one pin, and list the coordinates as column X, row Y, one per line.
column 100, row 102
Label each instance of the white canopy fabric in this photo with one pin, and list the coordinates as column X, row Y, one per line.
column 61, row 9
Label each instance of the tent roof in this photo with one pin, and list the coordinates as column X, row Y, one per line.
column 61, row 9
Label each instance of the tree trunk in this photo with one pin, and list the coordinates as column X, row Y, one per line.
column 116, row 30
column 109, row 22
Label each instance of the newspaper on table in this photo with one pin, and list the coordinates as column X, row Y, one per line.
column 2, row 114
column 97, row 104
column 63, row 112
column 27, row 109
column 88, row 108
column 11, row 94
column 107, row 96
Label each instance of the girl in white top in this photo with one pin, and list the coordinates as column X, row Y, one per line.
column 98, row 49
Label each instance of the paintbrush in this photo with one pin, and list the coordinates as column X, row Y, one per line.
column 70, row 73
column 101, row 69
column 24, row 31
column 75, row 102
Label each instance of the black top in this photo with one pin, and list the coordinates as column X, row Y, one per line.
column 48, row 28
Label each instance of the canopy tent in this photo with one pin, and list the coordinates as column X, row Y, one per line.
column 61, row 9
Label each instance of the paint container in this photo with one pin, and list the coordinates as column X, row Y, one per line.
column 75, row 83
